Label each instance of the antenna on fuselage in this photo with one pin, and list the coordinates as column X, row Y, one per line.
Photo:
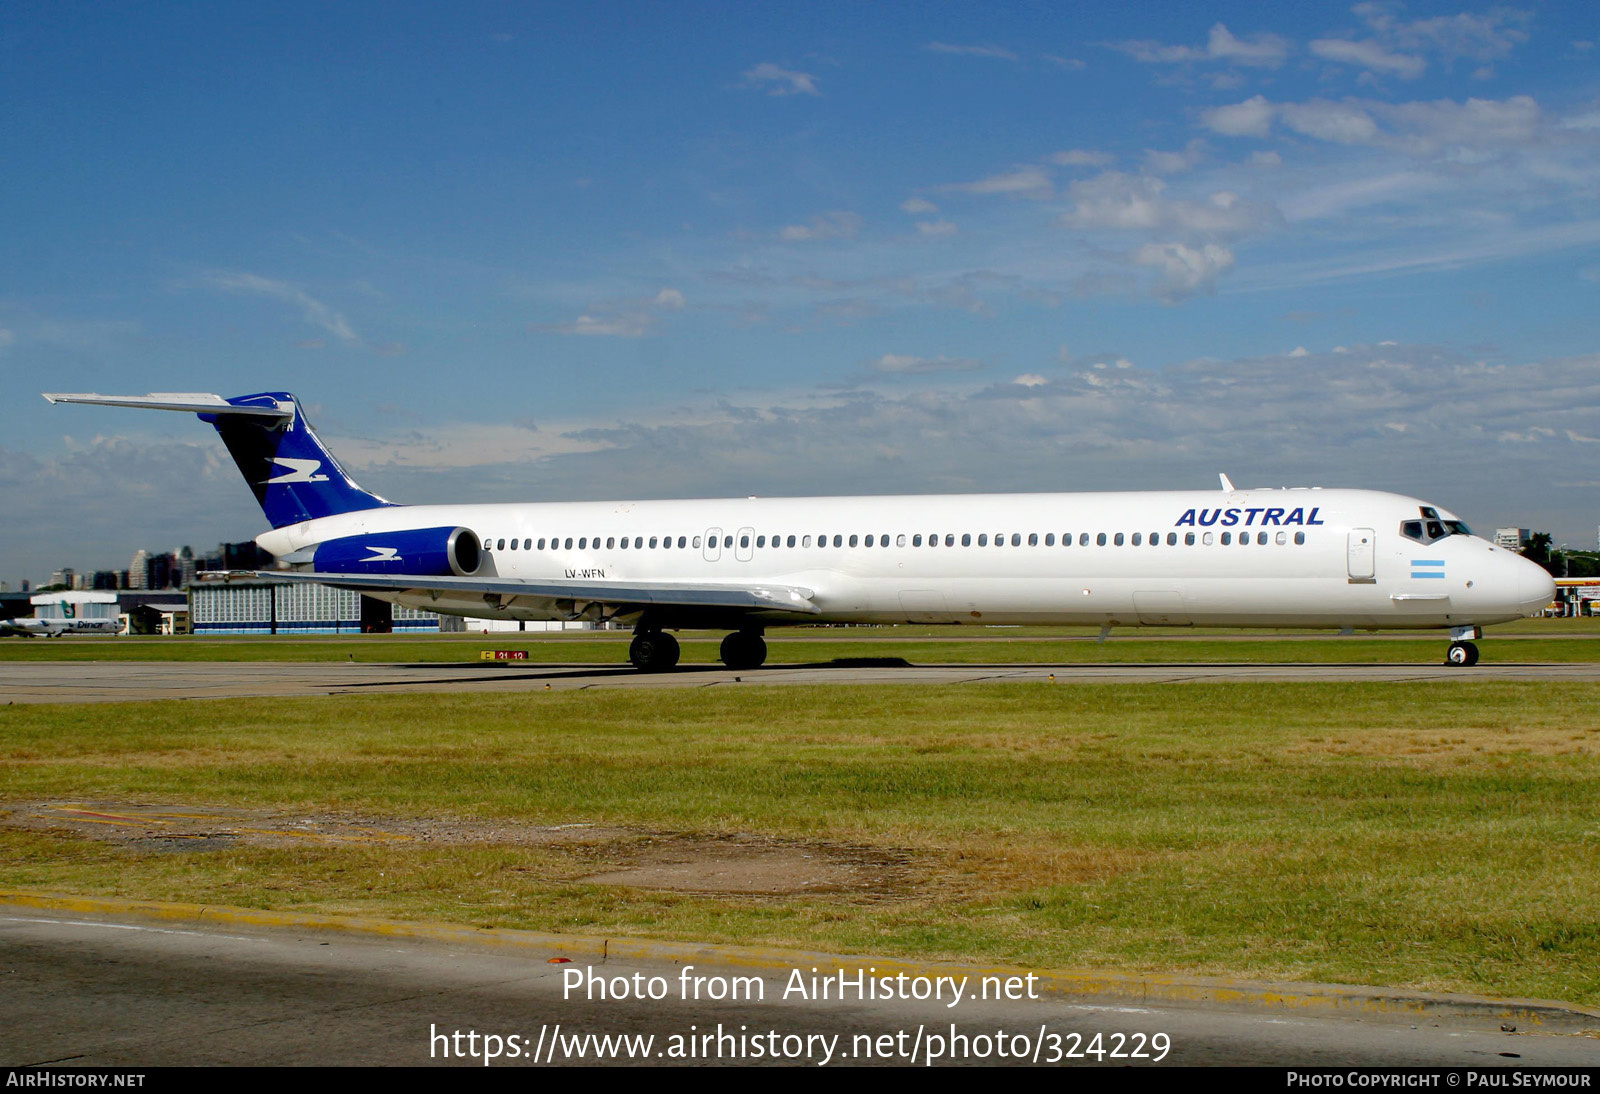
column 1227, row 484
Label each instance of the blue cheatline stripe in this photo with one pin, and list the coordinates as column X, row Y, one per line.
column 1426, row 573
column 1427, row 562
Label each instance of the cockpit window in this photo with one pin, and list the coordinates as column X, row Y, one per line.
column 1431, row 530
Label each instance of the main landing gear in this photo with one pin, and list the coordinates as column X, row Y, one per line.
column 1462, row 650
column 653, row 651
column 744, row 650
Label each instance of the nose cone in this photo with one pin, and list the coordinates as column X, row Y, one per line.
column 1535, row 587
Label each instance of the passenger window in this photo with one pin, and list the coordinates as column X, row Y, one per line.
column 949, row 539
column 900, row 540
column 1261, row 539
column 1282, row 538
column 1083, row 539
column 1099, row 540
column 1138, row 540
column 1033, row 539
column 696, row 542
column 853, row 540
column 790, row 541
column 727, row 541
column 999, row 539
column 1016, row 539
column 541, row 543
column 744, row 541
column 1299, row 538
column 1188, row 539
column 501, row 546
column 983, row 539
column 611, row 541
column 838, row 540
column 761, row 541
column 569, row 543
column 869, row 540
column 513, row 545
column 1155, row 539
column 1172, row 539
column 805, row 541
column 1207, row 539
column 1118, row 540
column 1049, row 539
column 1227, row 539
column 916, row 539
column 653, row 542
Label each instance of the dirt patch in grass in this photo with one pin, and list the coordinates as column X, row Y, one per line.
column 756, row 866
column 209, row 828
column 673, row 862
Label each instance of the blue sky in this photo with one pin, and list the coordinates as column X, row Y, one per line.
column 515, row 252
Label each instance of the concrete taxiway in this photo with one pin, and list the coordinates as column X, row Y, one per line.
column 88, row 984
column 123, row 681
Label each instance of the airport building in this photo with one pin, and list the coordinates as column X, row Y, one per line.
column 265, row 606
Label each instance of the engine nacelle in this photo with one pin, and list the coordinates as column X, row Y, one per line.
column 425, row 552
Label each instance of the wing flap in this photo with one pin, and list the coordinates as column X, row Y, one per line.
column 754, row 597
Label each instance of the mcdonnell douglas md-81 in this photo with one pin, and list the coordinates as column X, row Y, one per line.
column 1298, row 557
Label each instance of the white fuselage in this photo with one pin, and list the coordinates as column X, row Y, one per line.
column 1295, row 557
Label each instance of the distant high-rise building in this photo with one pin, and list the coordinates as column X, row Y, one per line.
column 137, row 575
column 1512, row 539
column 186, row 566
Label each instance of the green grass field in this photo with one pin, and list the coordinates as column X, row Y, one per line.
column 1435, row 836
column 1528, row 640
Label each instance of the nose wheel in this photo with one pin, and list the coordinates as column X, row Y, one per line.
column 1462, row 653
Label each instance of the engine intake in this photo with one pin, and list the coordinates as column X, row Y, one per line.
column 425, row 552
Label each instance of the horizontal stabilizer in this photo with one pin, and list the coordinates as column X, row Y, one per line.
column 195, row 402
column 753, row 597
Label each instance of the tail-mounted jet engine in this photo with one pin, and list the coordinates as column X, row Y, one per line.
column 426, row 552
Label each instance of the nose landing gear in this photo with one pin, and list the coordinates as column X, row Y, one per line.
column 1463, row 651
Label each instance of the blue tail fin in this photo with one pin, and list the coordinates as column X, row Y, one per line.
column 293, row 475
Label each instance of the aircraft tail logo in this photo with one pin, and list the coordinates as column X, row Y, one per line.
column 299, row 471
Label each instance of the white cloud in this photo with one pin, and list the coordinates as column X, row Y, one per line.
column 1031, row 379
column 314, row 311
column 1299, row 351
column 936, row 228
column 1185, row 270
column 1115, row 200
column 1081, row 157
column 780, row 81
column 6, row 338
column 1251, row 118
column 1370, row 56
column 905, row 364
column 834, row 225
column 1026, row 181
column 916, row 206
column 631, row 317
column 1259, row 50
column 986, row 50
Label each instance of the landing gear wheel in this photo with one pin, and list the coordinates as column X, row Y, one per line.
column 742, row 650
column 1462, row 653
column 653, row 651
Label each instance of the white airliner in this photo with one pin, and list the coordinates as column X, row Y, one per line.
column 50, row 628
column 1297, row 557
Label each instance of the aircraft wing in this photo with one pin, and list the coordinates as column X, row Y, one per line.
column 757, row 596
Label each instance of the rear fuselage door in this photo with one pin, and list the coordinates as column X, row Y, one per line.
column 1362, row 554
